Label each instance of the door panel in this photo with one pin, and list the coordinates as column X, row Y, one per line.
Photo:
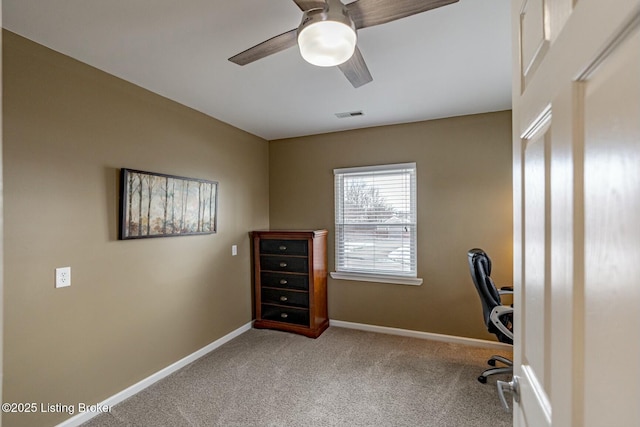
column 535, row 315
column 535, row 406
column 612, row 236
column 534, row 288
column 534, row 36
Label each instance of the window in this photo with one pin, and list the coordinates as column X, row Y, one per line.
column 376, row 223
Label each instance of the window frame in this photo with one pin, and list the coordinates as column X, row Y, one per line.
column 380, row 276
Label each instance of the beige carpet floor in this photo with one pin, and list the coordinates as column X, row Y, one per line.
column 343, row 378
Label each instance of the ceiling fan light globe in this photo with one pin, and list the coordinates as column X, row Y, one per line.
column 327, row 43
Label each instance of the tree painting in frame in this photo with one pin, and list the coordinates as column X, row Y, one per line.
column 159, row 205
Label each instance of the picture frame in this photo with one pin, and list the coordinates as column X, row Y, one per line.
column 160, row 205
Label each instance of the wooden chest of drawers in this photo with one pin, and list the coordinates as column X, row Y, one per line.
column 290, row 278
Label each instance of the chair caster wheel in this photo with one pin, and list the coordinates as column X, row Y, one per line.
column 482, row 379
column 491, row 362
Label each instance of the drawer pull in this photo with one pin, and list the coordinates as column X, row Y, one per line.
column 283, row 298
column 282, row 248
column 283, row 264
column 283, row 281
column 284, row 315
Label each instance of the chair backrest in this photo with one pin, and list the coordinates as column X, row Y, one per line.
column 480, row 268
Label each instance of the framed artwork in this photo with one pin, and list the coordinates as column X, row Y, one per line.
column 159, row 205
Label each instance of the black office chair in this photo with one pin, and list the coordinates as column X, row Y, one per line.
column 497, row 317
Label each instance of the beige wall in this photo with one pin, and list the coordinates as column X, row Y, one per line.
column 464, row 201
column 134, row 307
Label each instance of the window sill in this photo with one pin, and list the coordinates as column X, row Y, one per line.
column 378, row 278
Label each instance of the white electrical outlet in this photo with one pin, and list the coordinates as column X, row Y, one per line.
column 63, row 277
column 234, row 250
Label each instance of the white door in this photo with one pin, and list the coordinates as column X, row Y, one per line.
column 576, row 117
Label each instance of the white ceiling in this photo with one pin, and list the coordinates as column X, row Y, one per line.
column 450, row 61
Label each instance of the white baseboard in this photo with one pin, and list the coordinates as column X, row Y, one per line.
column 141, row 385
column 422, row 335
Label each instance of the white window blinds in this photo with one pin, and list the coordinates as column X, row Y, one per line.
column 376, row 220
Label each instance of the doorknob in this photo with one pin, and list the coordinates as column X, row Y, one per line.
column 512, row 387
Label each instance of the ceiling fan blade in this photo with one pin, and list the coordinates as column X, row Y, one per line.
column 355, row 70
column 305, row 5
column 367, row 13
column 266, row 48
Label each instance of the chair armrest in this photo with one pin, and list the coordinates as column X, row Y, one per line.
column 506, row 290
column 495, row 315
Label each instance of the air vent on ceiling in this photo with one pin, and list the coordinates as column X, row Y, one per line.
column 349, row 114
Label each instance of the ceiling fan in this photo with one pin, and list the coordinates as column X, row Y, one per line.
column 327, row 36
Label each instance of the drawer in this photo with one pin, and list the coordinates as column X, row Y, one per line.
column 286, row 247
column 284, row 263
column 297, row 316
column 290, row 281
column 288, row 298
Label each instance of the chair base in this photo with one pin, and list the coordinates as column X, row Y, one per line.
column 508, row 369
